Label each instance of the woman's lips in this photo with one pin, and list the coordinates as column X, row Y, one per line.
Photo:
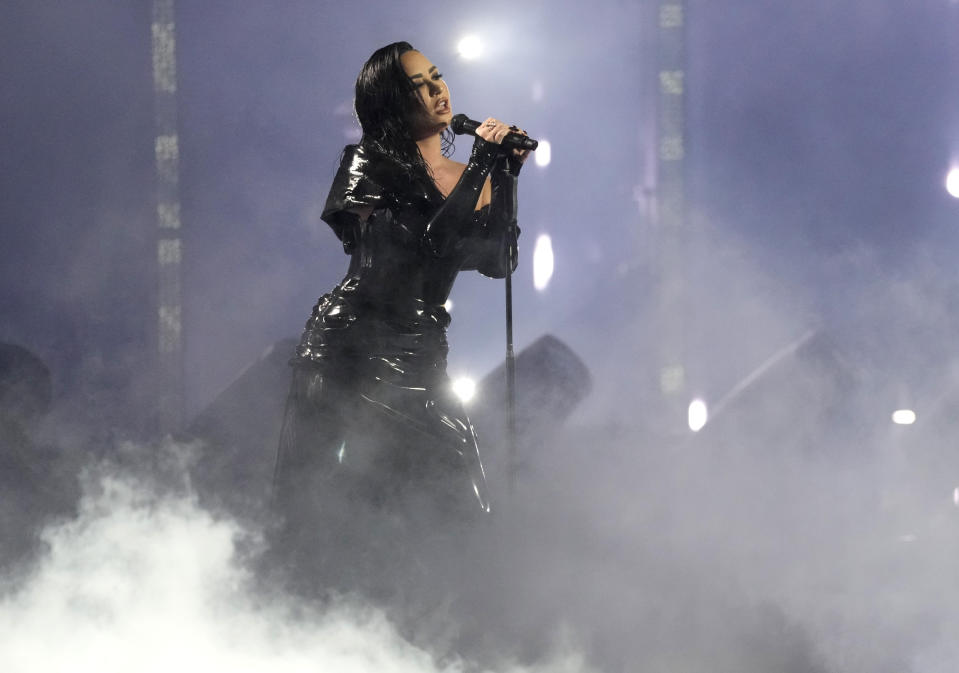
column 442, row 106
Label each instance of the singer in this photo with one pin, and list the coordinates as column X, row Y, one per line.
column 371, row 421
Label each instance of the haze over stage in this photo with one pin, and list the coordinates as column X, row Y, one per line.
column 807, row 304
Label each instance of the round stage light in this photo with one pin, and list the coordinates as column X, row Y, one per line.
column 698, row 415
column 465, row 388
column 904, row 417
column 952, row 182
column 543, row 154
column 542, row 262
column 470, row 47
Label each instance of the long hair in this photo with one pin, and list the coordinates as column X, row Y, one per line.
column 388, row 106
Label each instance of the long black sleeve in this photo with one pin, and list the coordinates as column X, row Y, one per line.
column 444, row 228
column 491, row 243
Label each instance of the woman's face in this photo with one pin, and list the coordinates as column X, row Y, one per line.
column 433, row 93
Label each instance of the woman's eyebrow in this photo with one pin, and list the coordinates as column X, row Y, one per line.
column 419, row 74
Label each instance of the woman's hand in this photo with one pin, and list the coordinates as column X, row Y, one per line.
column 494, row 131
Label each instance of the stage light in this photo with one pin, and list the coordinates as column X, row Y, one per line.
column 698, row 415
column 448, row 305
column 904, row 417
column 464, row 388
column 952, row 182
column 543, row 154
column 470, row 47
column 955, row 496
column 542, row 262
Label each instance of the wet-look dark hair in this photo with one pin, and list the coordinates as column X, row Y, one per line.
column 388, row 108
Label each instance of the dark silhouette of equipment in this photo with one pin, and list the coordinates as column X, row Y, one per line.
column 26, row 388
column 239, row 431
column 33, row 485
column 551, row 381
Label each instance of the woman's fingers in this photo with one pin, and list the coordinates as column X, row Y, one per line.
column 485, row 130
column 520, row 154
column 493, row 130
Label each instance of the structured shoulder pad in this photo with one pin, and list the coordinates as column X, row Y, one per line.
column 361, row 182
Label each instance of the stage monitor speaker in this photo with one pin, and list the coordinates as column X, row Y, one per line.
column 240, row 430
column 551, row 381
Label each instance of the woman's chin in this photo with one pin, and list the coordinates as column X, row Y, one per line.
column 440, row 125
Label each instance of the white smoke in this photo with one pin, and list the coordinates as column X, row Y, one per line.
column 146, row 580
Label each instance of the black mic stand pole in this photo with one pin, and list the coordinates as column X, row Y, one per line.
column 510, row 375
column 511, row 463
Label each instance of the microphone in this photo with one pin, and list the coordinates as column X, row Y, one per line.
column 462, row 124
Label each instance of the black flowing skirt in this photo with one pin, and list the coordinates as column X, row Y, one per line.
column 371, row 415
column 377, row 469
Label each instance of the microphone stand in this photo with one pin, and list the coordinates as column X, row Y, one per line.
column 511, row 464
column 462, row 124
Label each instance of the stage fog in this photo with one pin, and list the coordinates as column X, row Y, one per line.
column 734, row 317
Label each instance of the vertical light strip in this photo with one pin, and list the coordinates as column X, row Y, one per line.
column 671, row 210
column 169, row 244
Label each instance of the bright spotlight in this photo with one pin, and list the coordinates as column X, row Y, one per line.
column 470, row 47
column 955, row 496
column 542, row 262
column 698, row 415
column 448, row 305
column 904, row 417
column 543, row 154
column 464, row 387
column 952, row 182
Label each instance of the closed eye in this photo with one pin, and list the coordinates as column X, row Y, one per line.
column 437, row 77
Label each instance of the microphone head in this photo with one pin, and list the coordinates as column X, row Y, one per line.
column 458, row 124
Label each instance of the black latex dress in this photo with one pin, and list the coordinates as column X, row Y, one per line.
column 371, row 415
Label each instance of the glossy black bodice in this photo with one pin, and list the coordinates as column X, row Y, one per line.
column 391, row 269
column 406, row 253
column 406, row 244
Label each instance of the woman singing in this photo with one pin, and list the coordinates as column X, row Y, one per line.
column 371, row 422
